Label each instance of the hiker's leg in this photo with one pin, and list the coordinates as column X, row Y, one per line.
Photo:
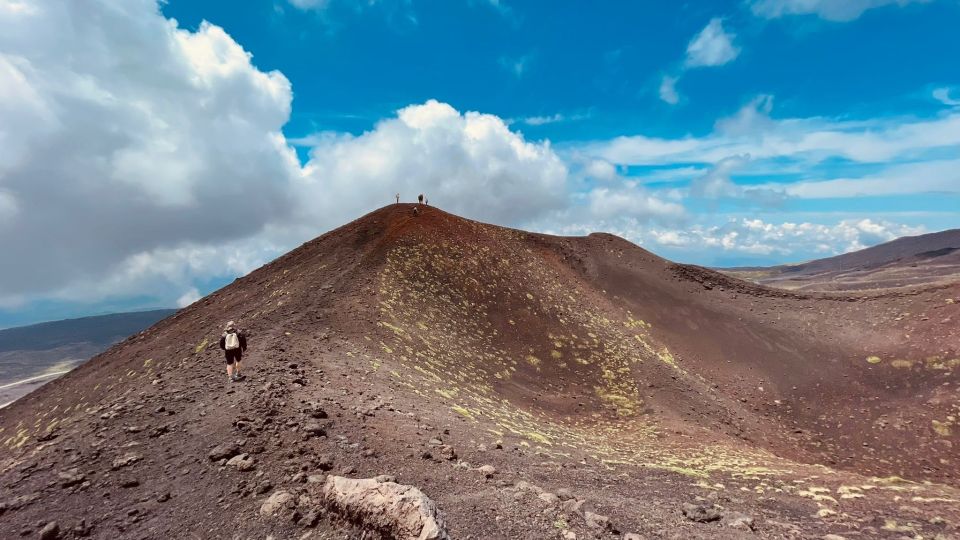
column 229, row 370
column 236, row 367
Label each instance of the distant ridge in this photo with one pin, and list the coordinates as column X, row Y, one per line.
column 908, row 261
column 100, row 330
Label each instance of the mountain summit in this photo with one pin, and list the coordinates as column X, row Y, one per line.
column 529, row 386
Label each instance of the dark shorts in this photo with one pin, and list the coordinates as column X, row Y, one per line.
column 233, row 355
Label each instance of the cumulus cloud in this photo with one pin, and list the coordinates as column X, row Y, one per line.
column 630, row 201
column 831, row 10
column 713, row 46
column 189, row 297
column 668, row 90
column 602, row 170
column 758, row 237
column 785, row 241
column 470, row 163
column 122, row 133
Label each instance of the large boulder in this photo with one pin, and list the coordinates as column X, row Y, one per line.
column 400, row 511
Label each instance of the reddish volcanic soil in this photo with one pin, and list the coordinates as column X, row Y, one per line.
column 581, row 369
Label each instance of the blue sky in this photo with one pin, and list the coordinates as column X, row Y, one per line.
column 717, row 133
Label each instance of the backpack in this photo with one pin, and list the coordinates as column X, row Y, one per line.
column 231, row 341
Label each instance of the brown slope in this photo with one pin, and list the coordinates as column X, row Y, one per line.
column 593, row 363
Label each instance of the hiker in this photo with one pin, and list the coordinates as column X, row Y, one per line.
column 426, row 201
column 233, row 343
column 398, row 198
column 420, row 198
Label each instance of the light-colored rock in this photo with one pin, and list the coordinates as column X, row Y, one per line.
column 402, row 511
column 548, row 497
column 127, row 459
column 572, row 507
column 596, row 521
column 738, row 520
column 632, row 536
column 241, row 462
column 487, row 470
column 569, row 535
column 833, row 537
column 280, row 501
column 523, row 485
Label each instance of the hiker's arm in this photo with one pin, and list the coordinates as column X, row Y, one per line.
column 243, row 342
column 223, row 342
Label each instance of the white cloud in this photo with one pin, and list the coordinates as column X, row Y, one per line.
column 807, row 141
column 631, row 201
column 943, row 96
column 716, row 182
column 753, row 118
column 121, row 134
column 310, row 4
column 8, row 208
column 602, row 170
column 938, row 176
column 189, row 297
column 668, row 90
column 755, row 236
column 787, row 241
column 543, row 120
column 831, row 10
column 552, row 119
column 713, row 46
column 470, row 164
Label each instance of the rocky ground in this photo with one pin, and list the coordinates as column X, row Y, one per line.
column 428, row 377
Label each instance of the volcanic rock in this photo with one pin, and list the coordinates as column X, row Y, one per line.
column 224, row 451
column 280, row 502
column 50, row 531
column 700, row 513
column 399, row 510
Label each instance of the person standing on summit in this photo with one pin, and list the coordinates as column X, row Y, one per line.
column 233, row 342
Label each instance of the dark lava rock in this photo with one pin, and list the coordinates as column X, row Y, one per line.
column 223, row 451
column 50, row 531
column 700, row 513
